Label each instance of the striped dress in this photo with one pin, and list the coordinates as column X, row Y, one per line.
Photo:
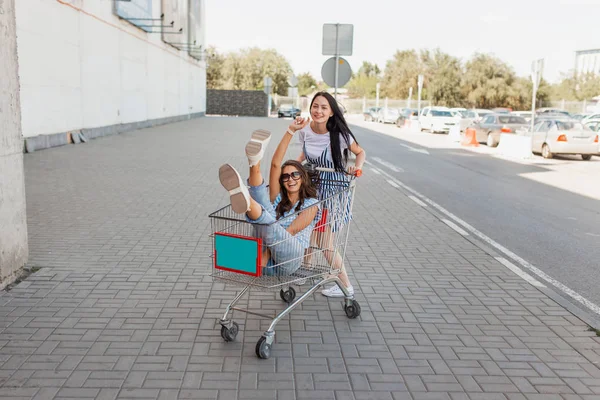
column 337, row 205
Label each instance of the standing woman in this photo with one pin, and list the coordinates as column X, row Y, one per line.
column 325, row 144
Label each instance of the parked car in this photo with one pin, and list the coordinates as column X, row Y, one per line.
column 462, row 112
column 477, row 114
column 287, row 110
column 469, row 117
column 558, row 136
column 579, row 116
column 387, row 115
column 489, row 130
column 342, row 108
column 370, row 114
column 552, row 111
column 590, row 117
column 502, row 110
column 406, row 113
column 524, row 114
column 593, row 124
column 437, row 119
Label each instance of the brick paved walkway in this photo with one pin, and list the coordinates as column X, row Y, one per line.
column 123, row 306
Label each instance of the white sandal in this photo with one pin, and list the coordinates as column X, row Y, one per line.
column 255, row 149
column 238, row 192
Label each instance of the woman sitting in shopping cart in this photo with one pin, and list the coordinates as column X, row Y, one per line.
column 286, row 211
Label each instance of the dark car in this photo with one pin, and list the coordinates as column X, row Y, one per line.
column 493, row 125
column 288, row 110
column 405, row 114
column 370, row 114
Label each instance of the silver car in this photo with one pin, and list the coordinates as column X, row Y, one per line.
column 388, row 115
column 559, row 136
column 493, row 125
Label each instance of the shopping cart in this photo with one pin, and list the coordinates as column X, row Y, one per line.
column 239, row 248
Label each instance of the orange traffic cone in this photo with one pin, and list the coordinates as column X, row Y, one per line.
column 470, row 138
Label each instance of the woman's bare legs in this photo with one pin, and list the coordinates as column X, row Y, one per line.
column 325, row 241
column 255, row 179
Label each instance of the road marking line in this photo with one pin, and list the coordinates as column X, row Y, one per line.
column 455, row 227
column 375, row 171
column 525, row 264
column 520, row 272
column 393, row 184
column 593, row 234
column 416, row 150
column 416, row 200
column 387, row 164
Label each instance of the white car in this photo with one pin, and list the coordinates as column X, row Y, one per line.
column 559, row 136
column 388, row 115
column 470, row 117
column 590, row 117
column 437, row 119
column 523, row 114
column 593, row 124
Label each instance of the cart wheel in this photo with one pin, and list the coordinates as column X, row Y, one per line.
column 229, row 334
column 353, row 310
column 288, row 295
column 263, row 349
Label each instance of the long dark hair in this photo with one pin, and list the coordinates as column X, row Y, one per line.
column 336, row 125
column 307, row 189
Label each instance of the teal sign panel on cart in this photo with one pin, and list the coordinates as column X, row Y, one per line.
column 241, row 254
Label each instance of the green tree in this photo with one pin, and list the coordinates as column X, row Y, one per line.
column 488, row 82
column 256, row 63
column 364, row 82
column 214, row 72
column 576, row 87
column 306, row 84
column 369, row 69
column 246, row 70
column 587, row 86
column 566, row 89
column 401, row 74
column 444, row 74
column 521, row 91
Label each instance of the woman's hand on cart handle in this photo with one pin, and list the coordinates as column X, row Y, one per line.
column 352, row 170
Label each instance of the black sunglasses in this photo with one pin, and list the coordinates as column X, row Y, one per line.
column 294, row 175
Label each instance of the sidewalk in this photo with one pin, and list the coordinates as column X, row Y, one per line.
column 123, row 306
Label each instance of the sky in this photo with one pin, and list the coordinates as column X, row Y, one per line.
column 518, row 32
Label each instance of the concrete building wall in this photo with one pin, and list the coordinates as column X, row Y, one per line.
column 83, row 67
column 13, row 224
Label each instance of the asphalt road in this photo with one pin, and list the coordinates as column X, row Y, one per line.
column 553, row 229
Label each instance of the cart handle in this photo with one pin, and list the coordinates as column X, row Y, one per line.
column 310, row 167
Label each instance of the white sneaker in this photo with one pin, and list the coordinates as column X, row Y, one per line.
column 238, row 192
column 335, row 291
column 255, row 149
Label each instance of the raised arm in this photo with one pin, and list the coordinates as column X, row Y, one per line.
column 277, row 160
column 303, row 219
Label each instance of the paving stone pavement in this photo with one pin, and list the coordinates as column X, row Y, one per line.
column 123, row 305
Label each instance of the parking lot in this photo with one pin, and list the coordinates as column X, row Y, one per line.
column 567, row 172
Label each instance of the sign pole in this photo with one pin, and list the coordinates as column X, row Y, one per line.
column 420, row 88
column 337, row 57
column 536, row 76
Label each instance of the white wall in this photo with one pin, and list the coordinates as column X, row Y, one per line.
column 13, row 222
column 86, row 69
